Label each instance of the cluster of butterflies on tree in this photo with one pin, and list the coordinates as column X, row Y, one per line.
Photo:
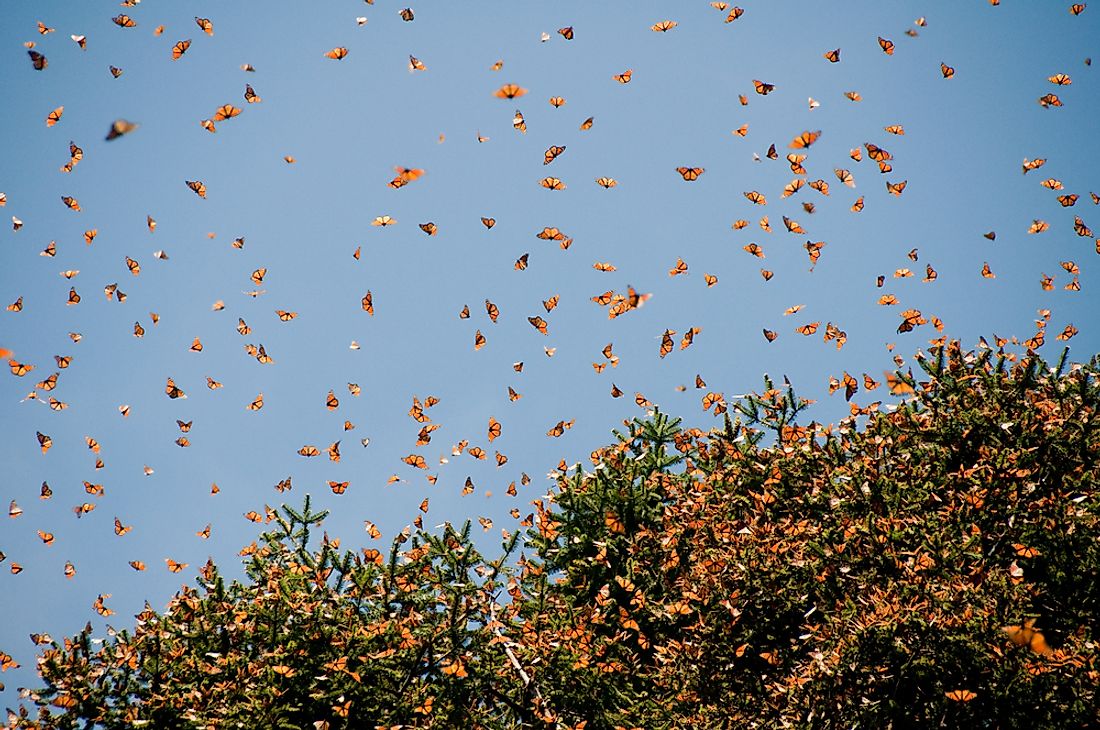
column 876, row 160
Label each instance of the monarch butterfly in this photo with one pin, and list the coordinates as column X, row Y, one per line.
column 552, row 183
column 960, row 695
column 1077, row 8
column 689, row 337
column 587, row 124
column 518, row 123
column 807, row 329
column 832, row 332
column 1027, row 635
column 180, row 48
column 1067, row 333
column 479, row 340
column 664, row 26
column 415, row 64
column 896, row 189
column 1080, row 228
column 735, row 14
column 792, row 225
column 205, row 24
column 550, row 234
column 250, row 95
column 886, row 46
column 679, row 268
column 986, row 272
column 368, row 303
column 124, row 21
column 538, row 323
column 763, row 88
column 742, row 130
column 513, row 395
column 557, row 102
column 832, row 56
column 804, row 140
column 603, row 266
column 226, row 111
column 383, row 221
column 416, row 460
column 407, row 15
column 550, row 304
column 488, row 222
column 115, row 71
column 337, row 53
column 70, row 203
column 624, row 77
column 196, row 345
column 690, row 173
column 16, row 306
column 895, row 129
column 173, row 566
column 1049, row 100
column 137, row 565
column 38, row 60
column 820, row 186
column 947, row 71
column 509, row 91
column 755, row 250
column 853, row 96
column 309, row 451
column 55, row 116
column 910, row 318
column 551, row 154
column 606, row 182
column 172, row 391
column 792, row 187
column 198, row 187
column 1067, row 201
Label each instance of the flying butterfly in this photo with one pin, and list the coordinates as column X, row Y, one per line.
column 552, row 153
column 180, row 48
column 763, row 88
column 804, row 140
column 509, row 91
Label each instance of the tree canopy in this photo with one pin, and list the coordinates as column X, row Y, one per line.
column 933, row 563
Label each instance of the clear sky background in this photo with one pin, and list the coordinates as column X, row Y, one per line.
column 348, row 123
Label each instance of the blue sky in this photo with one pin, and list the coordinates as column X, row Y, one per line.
column 348, row 123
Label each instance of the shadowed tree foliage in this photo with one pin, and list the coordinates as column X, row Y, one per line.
column 936, row 563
